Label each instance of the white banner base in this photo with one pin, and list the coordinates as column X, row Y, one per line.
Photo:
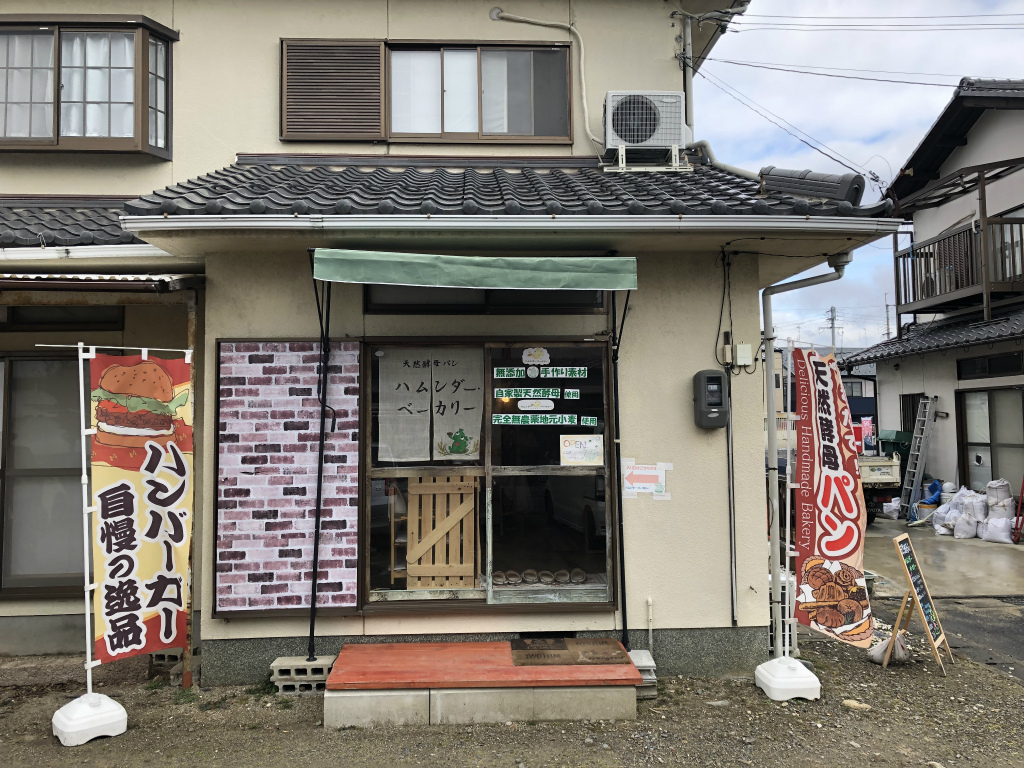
column 88, row 717
column 786, row 678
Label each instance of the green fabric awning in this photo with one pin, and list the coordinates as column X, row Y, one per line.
column 579, row 273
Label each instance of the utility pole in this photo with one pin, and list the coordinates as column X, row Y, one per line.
column 831, row 325
column 888, row 333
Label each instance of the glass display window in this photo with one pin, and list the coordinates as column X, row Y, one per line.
column 488, row 473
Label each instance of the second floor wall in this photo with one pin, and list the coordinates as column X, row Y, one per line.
column 998, row 135
column 226, row 76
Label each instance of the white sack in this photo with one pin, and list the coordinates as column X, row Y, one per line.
column 891, row 509
column 979, row 507
column 1004, row 510
column 999, row 530
column 982, row 528
column 900, row 651
column 951, row 519
column 966, row 527
column 997, row 490
column 940, row 515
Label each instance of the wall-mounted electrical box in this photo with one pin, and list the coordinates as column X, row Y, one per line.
column 743, row 356
column 710, row 399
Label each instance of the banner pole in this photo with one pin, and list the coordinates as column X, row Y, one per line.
column 86, row 518
column 186, row 656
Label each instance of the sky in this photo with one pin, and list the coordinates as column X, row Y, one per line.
column 873, row 126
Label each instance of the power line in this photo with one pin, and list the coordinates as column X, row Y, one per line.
column 847, row 165
column 838, row 28
column 829, row 74
column 841, row 69
column 900, row 18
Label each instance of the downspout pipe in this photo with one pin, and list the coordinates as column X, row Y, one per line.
column 688, row 72
column 838, row 264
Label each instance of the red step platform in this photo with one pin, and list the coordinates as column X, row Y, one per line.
column 409, row 666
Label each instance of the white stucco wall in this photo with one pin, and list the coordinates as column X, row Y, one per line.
column 677, row 552
column 934, row 374
column 227, row 71
column 998, row 135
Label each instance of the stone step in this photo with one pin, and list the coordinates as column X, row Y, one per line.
column 364, row 708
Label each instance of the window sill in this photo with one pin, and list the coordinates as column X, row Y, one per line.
column 40, row 593
column 84, row 146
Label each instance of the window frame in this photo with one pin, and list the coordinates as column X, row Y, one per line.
column 963, row 445
column 960, row 375
column 143, row 28
column 48, row 591
column 487, row 472
column 479, row 137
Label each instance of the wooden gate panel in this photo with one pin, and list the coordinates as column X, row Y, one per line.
column 442, row 548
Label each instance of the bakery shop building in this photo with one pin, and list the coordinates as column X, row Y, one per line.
column 482, row 368
column 421, row 357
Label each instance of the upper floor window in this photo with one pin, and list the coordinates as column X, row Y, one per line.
column 335, row 89
column 85, row 88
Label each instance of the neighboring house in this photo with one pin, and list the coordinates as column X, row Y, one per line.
column 859, row 383
column 961, row 283
column 399, row 127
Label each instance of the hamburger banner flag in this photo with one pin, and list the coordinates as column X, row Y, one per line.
column 142, row 490
column 830, row 515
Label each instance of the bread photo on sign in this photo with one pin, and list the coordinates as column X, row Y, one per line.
column 136, row 404
column 834, row 596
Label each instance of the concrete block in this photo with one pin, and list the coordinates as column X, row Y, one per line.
column 197, row 671
column 606, row 702
column 296, row 668
column 481, row 705
column 368, row 708
column 293, row 674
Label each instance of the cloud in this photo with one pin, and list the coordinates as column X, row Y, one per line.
column 875, row 125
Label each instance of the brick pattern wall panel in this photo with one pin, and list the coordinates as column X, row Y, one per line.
column 267, row 445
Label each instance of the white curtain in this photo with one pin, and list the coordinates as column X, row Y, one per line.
column 460, row 92
column 494, row 69
column 416, row 91
column 405, row 399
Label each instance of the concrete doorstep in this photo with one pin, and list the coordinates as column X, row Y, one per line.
column 477, row 705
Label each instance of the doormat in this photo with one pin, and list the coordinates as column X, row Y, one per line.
column 567, row 652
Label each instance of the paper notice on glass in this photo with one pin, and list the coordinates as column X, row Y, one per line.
column 582, row 450
column 457, row 387
column 405, row 399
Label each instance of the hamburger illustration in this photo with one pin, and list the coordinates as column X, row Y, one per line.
column 135, row 404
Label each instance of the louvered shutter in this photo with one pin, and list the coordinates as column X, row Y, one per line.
column 332, row 89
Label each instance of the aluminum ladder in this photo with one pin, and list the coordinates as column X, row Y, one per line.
column 916, row 458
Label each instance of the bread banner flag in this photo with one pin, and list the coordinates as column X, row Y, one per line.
column 142, row 492
column 831, row 592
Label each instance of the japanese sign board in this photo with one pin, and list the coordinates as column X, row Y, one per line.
column 582, row 450
column 525, row 392
column 644, row 478
column 540, row 419
column 142, row 485
column 832, row 594
column 431, row 403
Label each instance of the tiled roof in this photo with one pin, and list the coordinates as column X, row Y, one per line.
column 945, row 334
column 50, row 221
column 384, row 185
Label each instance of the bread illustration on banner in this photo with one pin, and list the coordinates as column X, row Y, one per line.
column 135, row 404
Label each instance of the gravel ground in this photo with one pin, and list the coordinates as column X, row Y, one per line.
column 916, row 717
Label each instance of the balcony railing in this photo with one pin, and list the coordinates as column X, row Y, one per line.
column 946, row 272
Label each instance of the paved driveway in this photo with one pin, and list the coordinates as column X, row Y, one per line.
column 952, row 567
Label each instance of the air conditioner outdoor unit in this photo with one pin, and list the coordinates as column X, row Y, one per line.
column 645, row 119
